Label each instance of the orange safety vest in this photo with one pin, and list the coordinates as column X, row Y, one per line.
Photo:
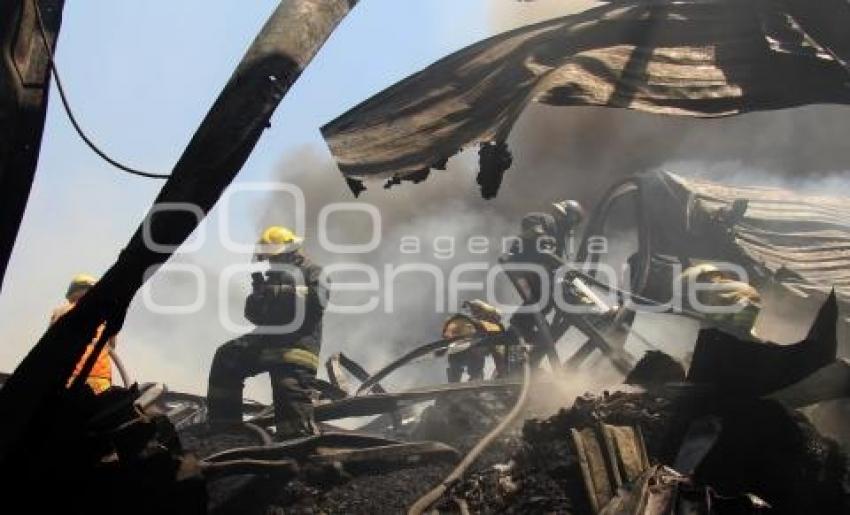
column 100, row 378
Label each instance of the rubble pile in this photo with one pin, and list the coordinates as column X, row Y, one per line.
column 543, row 476
column 543, row 473
column 764, row 450
column 653, row 413
column 656, row 368
column 459, row 421
column 777, row 454
column 391, row 492
column 231, row 493
column 704, row 445
column 462, row 420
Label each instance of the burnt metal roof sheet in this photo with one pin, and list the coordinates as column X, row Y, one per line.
column 701, row 58
column 800, row 236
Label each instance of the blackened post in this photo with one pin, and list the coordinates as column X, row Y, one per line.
column 24, row 84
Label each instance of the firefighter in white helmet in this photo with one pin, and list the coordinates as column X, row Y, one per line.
column 739, row 301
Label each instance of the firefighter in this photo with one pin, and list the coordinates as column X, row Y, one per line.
column 542, row 242
column 566, row 216
column 741, row 298
column 286, row 305
column 100, row 377
column 480, row 319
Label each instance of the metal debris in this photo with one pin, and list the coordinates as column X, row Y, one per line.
column 691, row 58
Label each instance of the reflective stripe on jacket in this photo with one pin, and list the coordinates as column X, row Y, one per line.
column 290, row 356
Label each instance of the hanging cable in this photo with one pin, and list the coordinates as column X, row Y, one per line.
column 67, row 106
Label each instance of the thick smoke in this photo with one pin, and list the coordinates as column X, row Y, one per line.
column 558, row 153
column 429, row 226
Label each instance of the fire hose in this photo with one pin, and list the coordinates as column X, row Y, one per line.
column 421, row 351
column 434, row 495
column 582, row 277
column 119, row 365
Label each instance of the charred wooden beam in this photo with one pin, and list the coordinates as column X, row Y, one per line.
column 385, row 458
column 285, row 45
column 299, row 449
column 24, row 87
column 380, row 403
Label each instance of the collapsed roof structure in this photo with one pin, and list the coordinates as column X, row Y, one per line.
column 778, row 237
column 799, row 240
column 794, row 239
column 699, row 58
column 685, row 58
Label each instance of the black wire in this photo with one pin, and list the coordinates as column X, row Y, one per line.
column 70, row 113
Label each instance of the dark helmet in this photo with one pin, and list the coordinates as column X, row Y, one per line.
column 569, row 212
column 535, row 225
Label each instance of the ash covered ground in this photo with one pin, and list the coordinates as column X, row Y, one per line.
column 765, row 450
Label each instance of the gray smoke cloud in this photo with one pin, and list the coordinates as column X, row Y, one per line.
column 429, row 226
column 558, row 153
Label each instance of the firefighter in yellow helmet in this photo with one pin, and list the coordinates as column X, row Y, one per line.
column 480, row 319
column 284, row 344
column 100, row 377
column 741, row 300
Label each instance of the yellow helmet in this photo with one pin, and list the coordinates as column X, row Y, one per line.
column 732, row 291
column 458, row 326
column 80, row 282
column 277, row 240
column 483, row 311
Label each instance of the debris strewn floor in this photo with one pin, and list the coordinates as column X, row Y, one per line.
column 765, row 450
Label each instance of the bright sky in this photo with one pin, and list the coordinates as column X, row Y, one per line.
column 140, row 76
